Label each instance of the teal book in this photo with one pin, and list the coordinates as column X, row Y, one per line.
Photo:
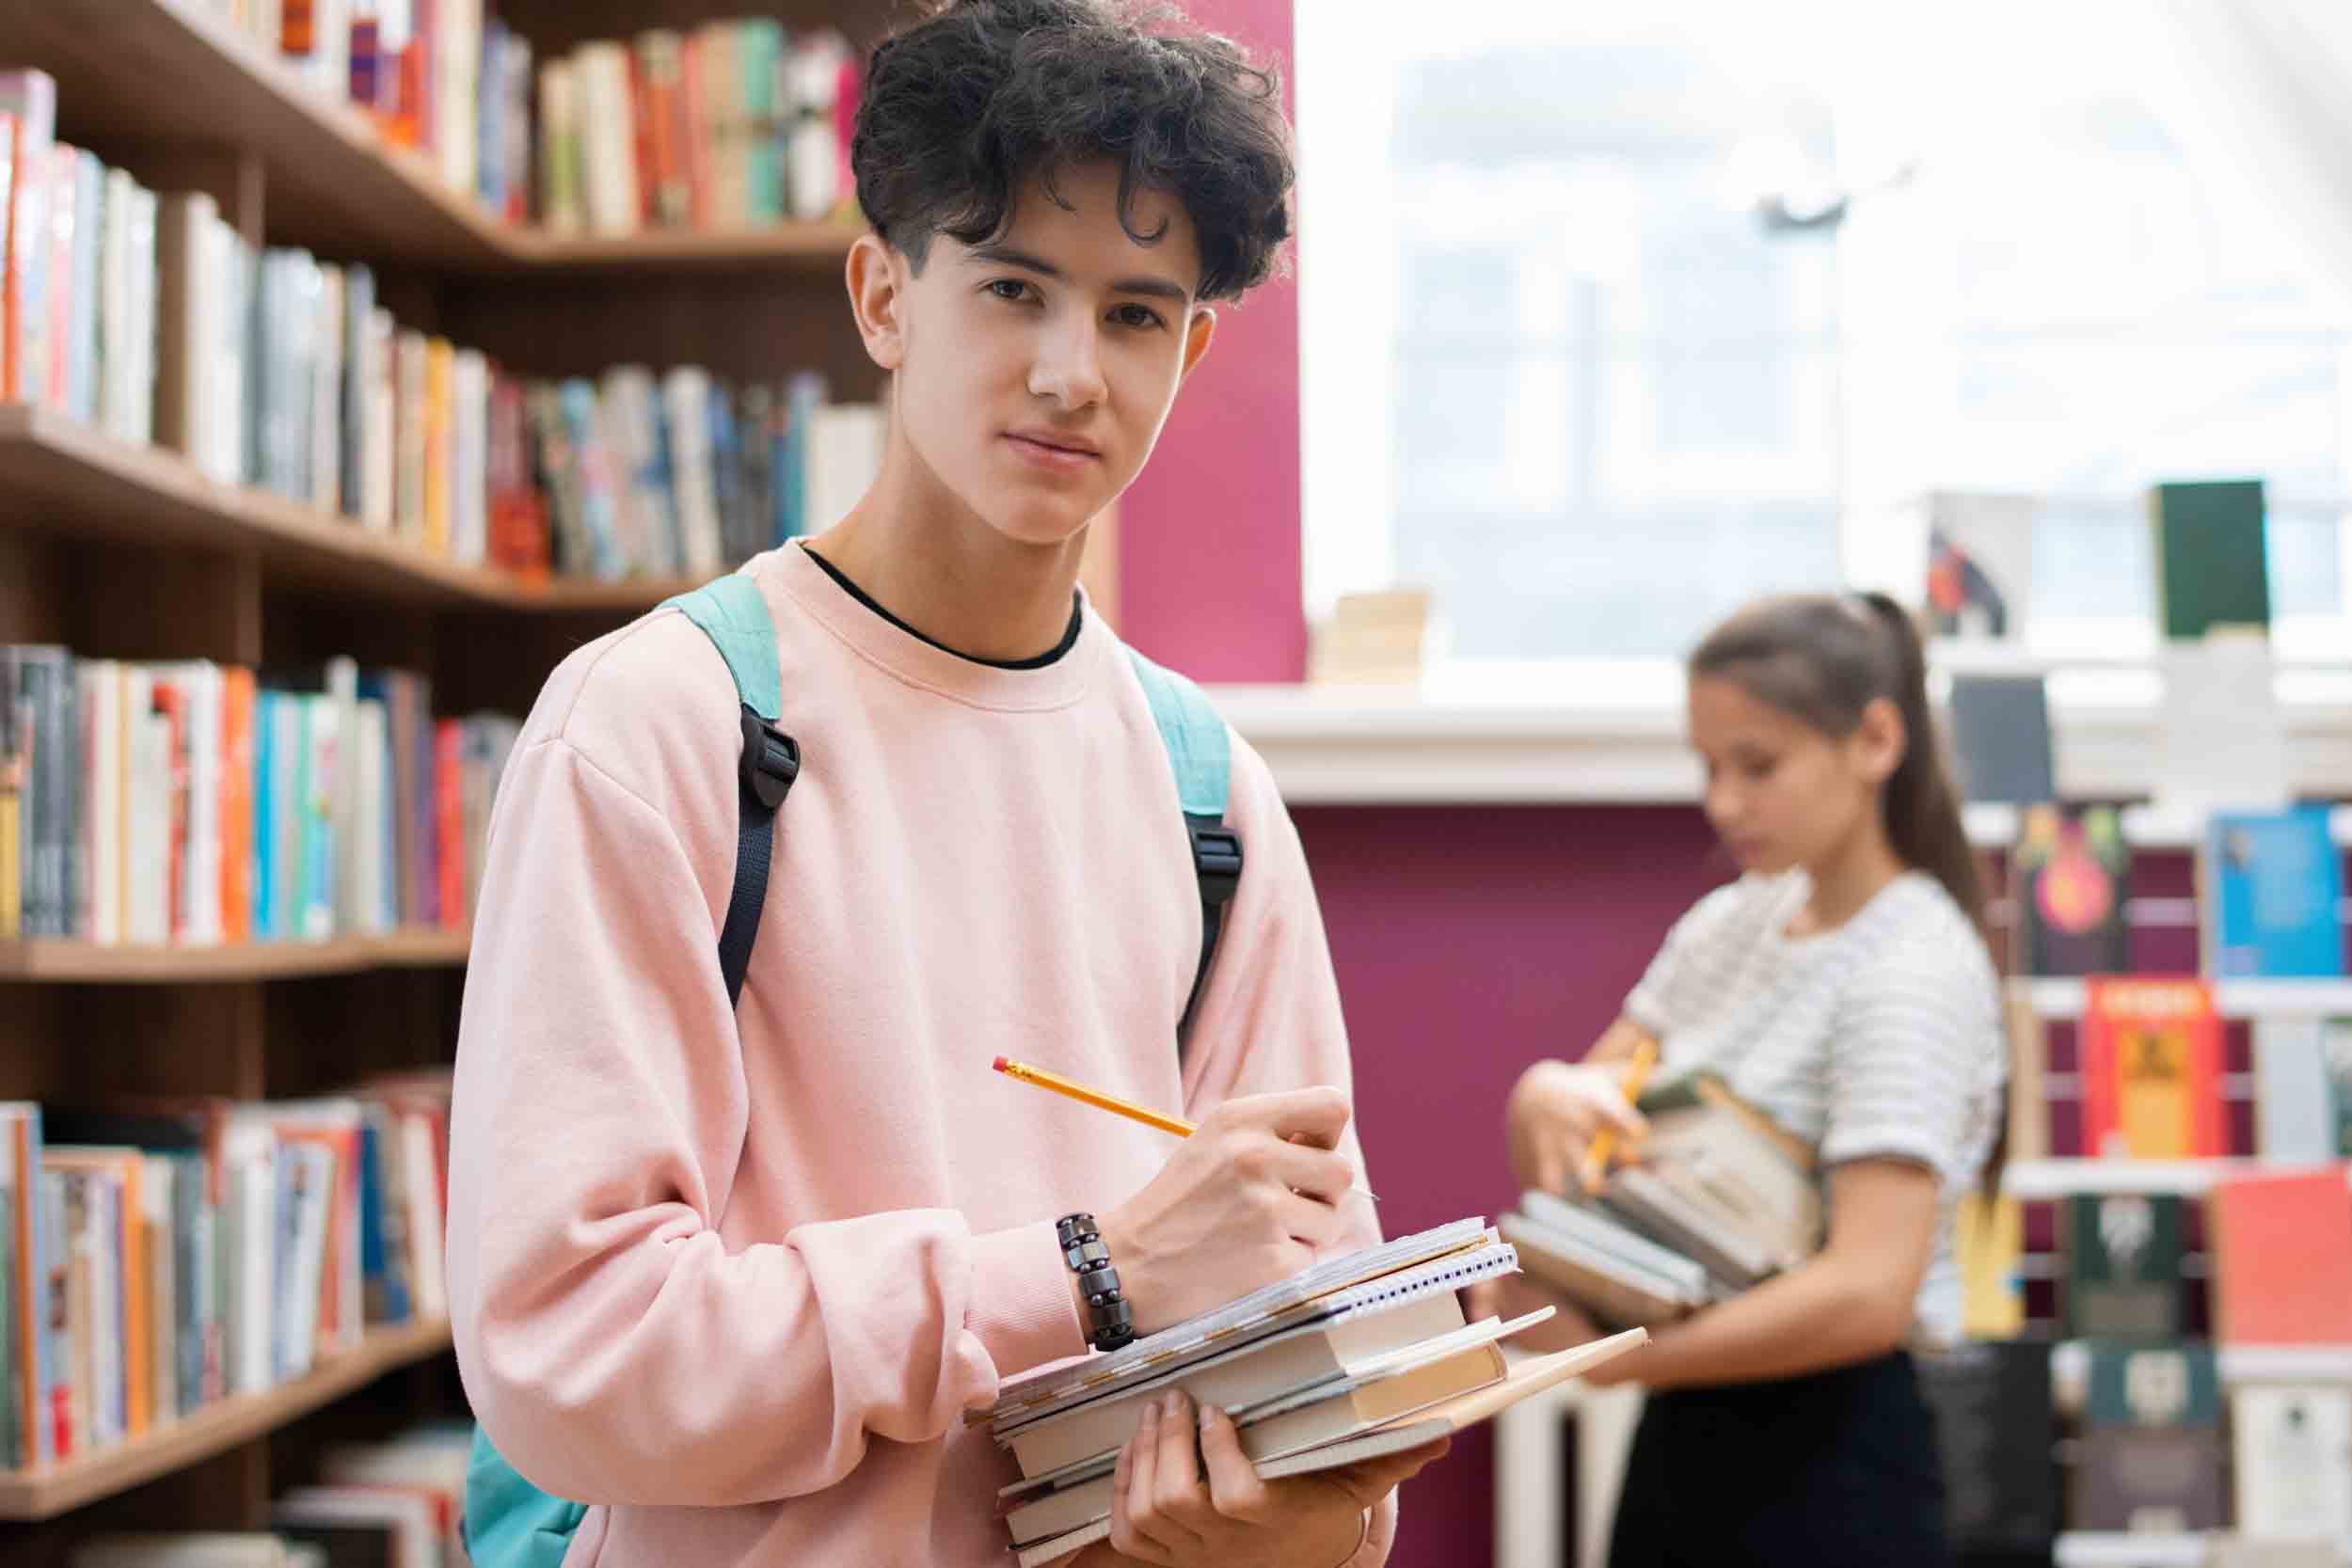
column 2272, row 883
column 2166, row 1385
column 2123, row 1266
column 2212, row 566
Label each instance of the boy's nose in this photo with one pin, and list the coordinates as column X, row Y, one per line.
column 1068, row 369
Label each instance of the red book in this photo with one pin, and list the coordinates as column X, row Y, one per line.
column 2281, row 1259
column 64, row 174
column 172, row 702
column 449, row 825
column 2150, row 1069
column 237, row 804
column 694, row 136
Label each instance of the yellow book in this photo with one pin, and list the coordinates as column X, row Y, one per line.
column 12, row 875
column 440, row 357
column 1991, row 1244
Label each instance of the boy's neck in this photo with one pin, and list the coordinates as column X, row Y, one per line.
column 921, row 553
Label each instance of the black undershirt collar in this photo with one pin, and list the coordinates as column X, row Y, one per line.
column 1036, row 661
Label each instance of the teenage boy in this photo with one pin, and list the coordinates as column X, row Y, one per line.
column 732, row 1275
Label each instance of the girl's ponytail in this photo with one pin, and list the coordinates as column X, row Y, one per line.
column 1923, row 815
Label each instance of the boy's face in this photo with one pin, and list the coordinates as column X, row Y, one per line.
column 1035, row 371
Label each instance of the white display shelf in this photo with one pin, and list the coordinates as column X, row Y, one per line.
column 2063, row 998
column 2065, row 1178
column 2089, row 1550
column 2285, row 1363
column 1993, row 826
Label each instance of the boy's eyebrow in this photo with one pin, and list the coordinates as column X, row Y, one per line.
column 1156, row 288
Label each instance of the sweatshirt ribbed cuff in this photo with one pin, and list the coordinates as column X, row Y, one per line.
column 1022, row 1310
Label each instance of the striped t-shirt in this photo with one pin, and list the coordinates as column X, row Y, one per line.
column 1881, row 1037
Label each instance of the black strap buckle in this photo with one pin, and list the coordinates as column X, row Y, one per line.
column 1216, row 860
column 770, row 761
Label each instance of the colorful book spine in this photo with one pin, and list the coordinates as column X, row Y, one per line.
column 2151, row 1069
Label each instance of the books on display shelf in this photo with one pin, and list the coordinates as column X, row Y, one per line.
column 1981, row 565
column 2071, row 870
column 2151, row 1452
column 198, row 804
column 2270, row 884
column 2150, row 1049
column 166, row 1253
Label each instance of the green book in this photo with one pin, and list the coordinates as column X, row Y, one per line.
column 2156, row 1386
column 2123, row 1266
column 2212, row 569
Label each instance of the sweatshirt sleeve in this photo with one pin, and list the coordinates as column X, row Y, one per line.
column 1269, row 1018
column 615, row 1347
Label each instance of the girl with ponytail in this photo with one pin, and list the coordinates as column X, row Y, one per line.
column 1843, row 984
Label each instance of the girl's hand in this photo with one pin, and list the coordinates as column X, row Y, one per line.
column 1514, row 1295
column 1555, row 1109
column 1163, row 1510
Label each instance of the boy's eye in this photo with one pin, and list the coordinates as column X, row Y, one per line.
column 1141, row 317
column 1011, row 289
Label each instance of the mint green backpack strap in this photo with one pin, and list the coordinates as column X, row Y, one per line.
column 1200, row 754
column 508, row 1522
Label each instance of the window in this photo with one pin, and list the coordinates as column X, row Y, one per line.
column 1617, row 402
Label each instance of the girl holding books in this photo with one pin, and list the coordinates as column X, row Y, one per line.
column 1843, row 985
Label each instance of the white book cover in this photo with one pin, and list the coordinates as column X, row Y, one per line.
column 2294, row 1452
column 686, row 402
column 327, row 393
column 249, row 1249
column 845, row 454
column 147, row 842
column 158, row 1177
column 182, row 1550
column 89, row 200
column 99, row 682
column 107, row 1393
column 470, row 492
column 115, row 358
column 559, row 147
column 2221, row 740
column 408, row 354
column 140, row 410
column 2295, row 1109
column 232, row 406
column 813, row 180
column 375, row 449
column 456, row 87
column 200, row 687
column 420, row 1170
column 608, row 139
column 1981, row 548
column 306, row 1174
column 415, row 1528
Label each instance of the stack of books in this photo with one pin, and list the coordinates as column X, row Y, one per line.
column 1356, row 1357
column 1722, row 1199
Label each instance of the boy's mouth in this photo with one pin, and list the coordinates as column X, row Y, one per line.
column 1050, row 448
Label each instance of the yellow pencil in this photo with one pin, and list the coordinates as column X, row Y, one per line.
column 1604, row 1142
column 1095, row 1098
column 1111, row 1103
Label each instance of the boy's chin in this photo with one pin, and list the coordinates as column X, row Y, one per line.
column 1039, row 527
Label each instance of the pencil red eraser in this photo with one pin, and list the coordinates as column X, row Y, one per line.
column 999, row 1064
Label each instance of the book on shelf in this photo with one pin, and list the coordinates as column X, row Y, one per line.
column 2212, row 562
column 1996, row 1435
column 2001, row 738
column 2279, row 1247
column 1356, row 1355
column 2150, row 1049
column 187, row 1549
column 1371, row 639
column 171, row 1252
column 1722, row 1199
column 2123, row 1255
column 1989, row 1237
column 2221, row 740
column 28, row 105
column 2271, row 883
column 2151, row 1454
column 2293, row 1448
column 2071, row 870
column 195, row 804
column 2302, row 1087
column 1980, row 564
column 2029, row 1114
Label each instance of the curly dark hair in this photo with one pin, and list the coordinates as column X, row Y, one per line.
column 964, row 106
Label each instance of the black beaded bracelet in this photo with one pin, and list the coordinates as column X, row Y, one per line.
column 1110, row 1323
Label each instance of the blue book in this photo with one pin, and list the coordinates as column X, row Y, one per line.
column 2272, row 883
column 263, row 918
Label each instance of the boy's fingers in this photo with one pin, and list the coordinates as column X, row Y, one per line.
column 1234, row 1484
column 1373, row 1479
column 1314, row 1116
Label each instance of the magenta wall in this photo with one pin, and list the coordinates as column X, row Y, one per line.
column 1471, row 941
column 1208, row 534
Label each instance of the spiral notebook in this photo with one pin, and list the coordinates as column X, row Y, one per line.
column 1304, row 1297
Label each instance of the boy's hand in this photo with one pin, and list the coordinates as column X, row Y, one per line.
column 1166, row 1510
column 1247, row 1200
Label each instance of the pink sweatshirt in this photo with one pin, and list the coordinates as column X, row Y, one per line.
column 735, row 1276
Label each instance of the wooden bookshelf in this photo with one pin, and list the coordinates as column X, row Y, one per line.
column 45, row 1493
column 50, row 960
column 334, row 181
column 78, row 480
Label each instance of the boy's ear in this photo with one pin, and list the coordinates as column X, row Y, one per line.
column 877, row 278
column 1199, row 332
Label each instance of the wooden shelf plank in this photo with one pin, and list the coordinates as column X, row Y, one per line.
column 335, row 182
column 62, row 476
column 55, row 960
column 46, row 1493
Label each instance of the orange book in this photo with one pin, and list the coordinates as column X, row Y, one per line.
column 2281, row 1259
column 440, row 357
column 237, row 804
column 694, row 130
column 2150, row 1069
column 19, row 1145
column 448, row 824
